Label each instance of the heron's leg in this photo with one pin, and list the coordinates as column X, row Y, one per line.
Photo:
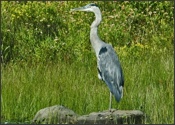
column 110, row 101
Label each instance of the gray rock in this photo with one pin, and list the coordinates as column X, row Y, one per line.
column 62, row 115
column 55, row 115
column 112, row 117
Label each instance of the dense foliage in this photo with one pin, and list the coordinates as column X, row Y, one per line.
column 48, row 31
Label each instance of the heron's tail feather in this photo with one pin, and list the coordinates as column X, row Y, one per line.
column 118, row 94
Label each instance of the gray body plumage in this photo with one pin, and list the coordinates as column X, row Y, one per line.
column 108, row 65
column 110, row 71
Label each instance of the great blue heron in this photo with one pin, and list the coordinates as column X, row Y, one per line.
column 108, row 65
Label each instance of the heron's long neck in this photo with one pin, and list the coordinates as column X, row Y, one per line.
column 97, row 20
column 94, row 38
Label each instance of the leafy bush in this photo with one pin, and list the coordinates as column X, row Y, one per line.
column 47, row 31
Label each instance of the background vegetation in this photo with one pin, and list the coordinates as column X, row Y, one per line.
column 47, row 58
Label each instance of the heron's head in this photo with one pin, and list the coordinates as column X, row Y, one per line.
column 92, row 7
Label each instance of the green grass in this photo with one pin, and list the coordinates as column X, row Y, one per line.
column 148, row 87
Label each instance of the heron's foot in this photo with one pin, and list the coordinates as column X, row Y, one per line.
column 112, row 110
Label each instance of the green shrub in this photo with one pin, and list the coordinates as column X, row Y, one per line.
column 47, row 31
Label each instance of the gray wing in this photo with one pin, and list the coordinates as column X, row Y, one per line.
column 110, row 71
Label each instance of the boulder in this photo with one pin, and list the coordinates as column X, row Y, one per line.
column 61, row 115
column 55, row 115
column 112, row 117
